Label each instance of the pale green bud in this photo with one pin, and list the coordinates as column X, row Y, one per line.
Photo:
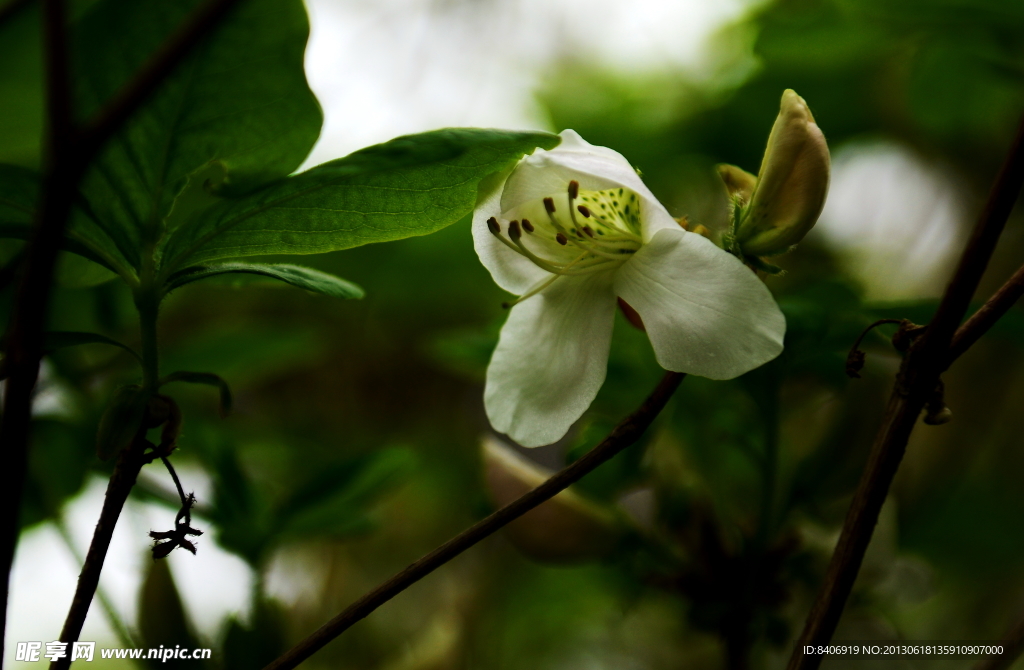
column 738, row 183
column 791, row 185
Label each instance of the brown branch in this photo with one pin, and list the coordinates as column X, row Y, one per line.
column 129, row 463
column 31, row 300
column 1013, row 647
column 69, row 155
column 624, row 434
column 919, row 373
column 993, row 310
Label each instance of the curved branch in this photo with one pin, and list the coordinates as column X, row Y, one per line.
column 919, row 373
column 993, row 310
column 624, row 434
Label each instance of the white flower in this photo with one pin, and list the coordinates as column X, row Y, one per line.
column 570, row 230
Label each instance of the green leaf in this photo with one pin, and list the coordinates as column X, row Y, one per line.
column 120, row 421
column 19, row 193
column 162, row 618
column 207, row 378
column 239, row 100
column 337, row 501
column 59, row 339
column 296, row 275
column 412, row 185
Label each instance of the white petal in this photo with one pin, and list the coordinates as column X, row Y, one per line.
column 705, row 312
column 551, row 359
column 547, row 173
column 510, row 270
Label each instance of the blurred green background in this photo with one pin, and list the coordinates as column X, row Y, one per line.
column 355, row 446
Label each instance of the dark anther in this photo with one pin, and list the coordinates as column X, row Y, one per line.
column 561, row 239
column 549, row 205
column 527, row 226
column 588, row 230
column 574, row 189
column 936, row 412
column 855, row 359
column 494, row 226
column 513, row 230
column 582, row 209
column 505, row 305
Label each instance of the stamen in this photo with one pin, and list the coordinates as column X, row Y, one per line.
column 546, row 283
column 584, row 211
column 574, row 190
column 588, row 230
column 561, row 239
column 549, row 205
column 527, row 226
column 494, row 226
column 514, row 232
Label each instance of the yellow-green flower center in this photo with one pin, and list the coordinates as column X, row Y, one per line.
column 575, row 233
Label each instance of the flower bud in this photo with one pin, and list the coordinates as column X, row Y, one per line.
column 791, row 187
column 565, row 529
column 738, row 183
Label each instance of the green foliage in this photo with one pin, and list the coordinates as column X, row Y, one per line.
column 162, row 618
column 208, row 379
column 412, row 185
column 257, row 644
column 296, row 275
column 337, row 502
column 19, row 194
column 56, row 470
column 240, row 99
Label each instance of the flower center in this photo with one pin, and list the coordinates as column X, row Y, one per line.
column 578, row 233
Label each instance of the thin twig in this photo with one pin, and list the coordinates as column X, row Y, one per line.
column 986, row 317
column 129, row 463
column 1013, row 647
column 919, row 373
column 124, row 636
column 624, row 434
column 177, row 482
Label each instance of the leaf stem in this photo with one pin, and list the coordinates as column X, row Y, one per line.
column 626, row 433
column 927, row 358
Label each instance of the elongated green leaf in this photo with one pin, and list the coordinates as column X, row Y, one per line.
column 239, row 100
column 296, row 275
column 19, row 195
column 58, row 339
column 338, row 501
column 207, row 378
column 410, row 186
